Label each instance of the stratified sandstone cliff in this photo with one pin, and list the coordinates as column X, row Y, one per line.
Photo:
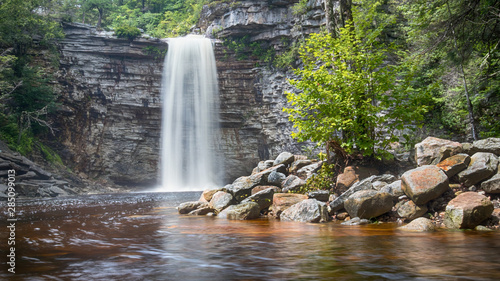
column 110, row 118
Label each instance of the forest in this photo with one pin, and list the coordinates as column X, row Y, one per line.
column 427, row 62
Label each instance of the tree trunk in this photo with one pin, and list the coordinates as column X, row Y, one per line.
column 329, row 16
column 345, row 11
column 101, row 11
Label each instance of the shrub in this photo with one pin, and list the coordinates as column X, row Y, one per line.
column 127, row 31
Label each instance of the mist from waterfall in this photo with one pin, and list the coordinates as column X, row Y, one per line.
column 190, row 116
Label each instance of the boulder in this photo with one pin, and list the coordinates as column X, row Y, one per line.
column 394, row 189
column 263, row 165
column 221, row 200
column 320, row 195
column 491, row 145
column 309, row 210
column 298, row 164
column 242, row 187
column 283, row 201
column 207, row 194
column 346, row 179
column 264, row 198
column 367, row 204
column 482, row 166
column 433, row 150
column 467, row 210
column 307, row 171
column 419, row 225
column 285, row 158
column 454, row 164
column 424, row 183
column 292, row 183
column 275, row 178
column 492, row 185
column 410, row 211
column 187, row 207
column 201, row 211
column 264, row 187
column 242, row 211
column 366, row 184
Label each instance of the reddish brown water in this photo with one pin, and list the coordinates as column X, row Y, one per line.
column 141, row 237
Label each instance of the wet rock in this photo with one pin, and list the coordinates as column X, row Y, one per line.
column 242, row 187
column 292, row 183
column 207, row 194
column 482, row 166
column 307, row 171
column 264, row 198
column 242, row 211
column 490, row 145
column 187, row 207
column 55, row 191
column 221, row 200
column 283, row 201
column 433, row 150
column 454, row 164
column 492, row 185
column 276, row 178
column 419, row 225
column 309, row 210
column 368, row 204
column 203, row 211
column 410, row 211
column 285, row 158
column 467, row 210
column 356, row 221
column 424, row 183
column 298, row 164
column 27, row 189
column 320, row 195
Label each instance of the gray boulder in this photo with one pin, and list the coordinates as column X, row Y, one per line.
column 394, row 189
column 285, row 158
column 482, row 166
column 187, row 207
column 320, row 195
column 424, row 184
column 264, row 198
column 467, row 210
column 432, row 150
column 221, row 200
column 492, row 185
column 275, row 178
column 410, row 211
column 292, row 183
column 298, row 164
column 306, row 171
column 367, row 204
column 309, row 210
column 491, row 145
column 242, row 211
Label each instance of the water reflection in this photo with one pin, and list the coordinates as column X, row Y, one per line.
column 141, row 237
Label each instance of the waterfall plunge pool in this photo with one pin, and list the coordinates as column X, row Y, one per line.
column 140, row 236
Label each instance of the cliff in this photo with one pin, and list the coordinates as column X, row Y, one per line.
column 108, row 126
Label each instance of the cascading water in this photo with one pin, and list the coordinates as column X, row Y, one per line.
column 190, row 116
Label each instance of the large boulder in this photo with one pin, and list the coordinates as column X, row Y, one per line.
column 491, row 145
column 367, row 204
column 424, row 184
column 419, row 225
column 207, row 194
column 283, row 201
column 292, row 183
column 454, row 164
column 353, row 174
column 394, row 189
column 221, row 200
column 320, row 195
column 285, row 158
column 242, row 211
column 482, row 166
column 492, row 185
column 433, row 150
column 264, row 198
column 467, row 210
column 298, row 164
column 187, row 207
column 309, row 210
column 275, row 178
column 264, row 187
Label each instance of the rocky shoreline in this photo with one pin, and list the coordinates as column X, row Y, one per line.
column 451, row 185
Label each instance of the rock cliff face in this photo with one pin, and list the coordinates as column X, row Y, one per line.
column 110, row 119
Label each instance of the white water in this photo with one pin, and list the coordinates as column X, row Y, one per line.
column 190, row 116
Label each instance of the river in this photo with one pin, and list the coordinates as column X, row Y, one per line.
column 140, row 236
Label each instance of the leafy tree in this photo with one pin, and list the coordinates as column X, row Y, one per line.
column 348, row 93
column 100, row 5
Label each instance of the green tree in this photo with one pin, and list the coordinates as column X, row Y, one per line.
column 349, row 97
column 101, row 6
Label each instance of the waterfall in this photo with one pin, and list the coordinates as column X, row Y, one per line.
column 190, row 116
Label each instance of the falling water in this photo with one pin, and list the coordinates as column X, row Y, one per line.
column 190, row 116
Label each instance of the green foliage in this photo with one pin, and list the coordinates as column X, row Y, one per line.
column 244, row 48
column 154, row 51
column 348, row 92
column 300, row 8
column 127, row 31
column 322, row 180
column 288, row 58
column 50, row 155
